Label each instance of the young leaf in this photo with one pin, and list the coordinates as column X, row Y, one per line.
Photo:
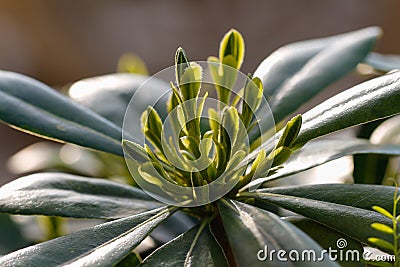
column 382, row 228
column 190, row 81
column 253, row 92
column 382, row 211
column 290, row 132
column 181, row 63
column 231, row 49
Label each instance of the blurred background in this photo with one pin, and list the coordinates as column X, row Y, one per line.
column 59, row 42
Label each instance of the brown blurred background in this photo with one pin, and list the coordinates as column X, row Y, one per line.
column 63, row 41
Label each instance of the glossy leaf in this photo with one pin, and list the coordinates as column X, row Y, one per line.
column 67, row 195
column 318, row 152
column 371, row 100
column 333, row 61
column 250, row 229
column 327, row 238
column 352, row 221
column 355, row 195
column 196, row 247
column 105, row 244
column 109, row 95
column 32, row 106
column 290, row 59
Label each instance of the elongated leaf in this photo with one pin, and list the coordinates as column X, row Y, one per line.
column 285, row 62
column 329, row 238
column 67, row 195
column 371, row 100
column 196, row 247
column 109, row 95
column 352, row 221
column 34, row 107
column 331, row 63
column 355, row 195
column 383, row 63
column 253, row 233
column 104, row 244
column 318, row 152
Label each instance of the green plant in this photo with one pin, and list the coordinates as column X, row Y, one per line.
column 393, row 245
column 235, row 228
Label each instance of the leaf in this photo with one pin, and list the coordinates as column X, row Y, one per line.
column 196, row 247
column 353, row 195
column 59, row 194
column 253, row 233
column 34, row 107
column 285, row 62
column 382, row 211
column 371, row 100
column 382, row 228
column 290, row 132
column 105, row 244
column 109, row 95
column 327, row 238
column 352, row 221
column 318, row 152
column 333, row 62
column 231, row 49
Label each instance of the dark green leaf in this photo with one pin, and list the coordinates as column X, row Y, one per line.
column 352, row 221
column 196, row 247
column 67, row 195
column 318, row 152
column 102, row 245
column 330, row 64
column 250, row 229
column 329, row 238
column 285, row 62
column 34, row 107
column 371, row 100
column 109, row 95
column 354, row 195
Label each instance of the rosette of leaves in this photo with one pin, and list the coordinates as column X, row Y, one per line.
column 233, row 229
